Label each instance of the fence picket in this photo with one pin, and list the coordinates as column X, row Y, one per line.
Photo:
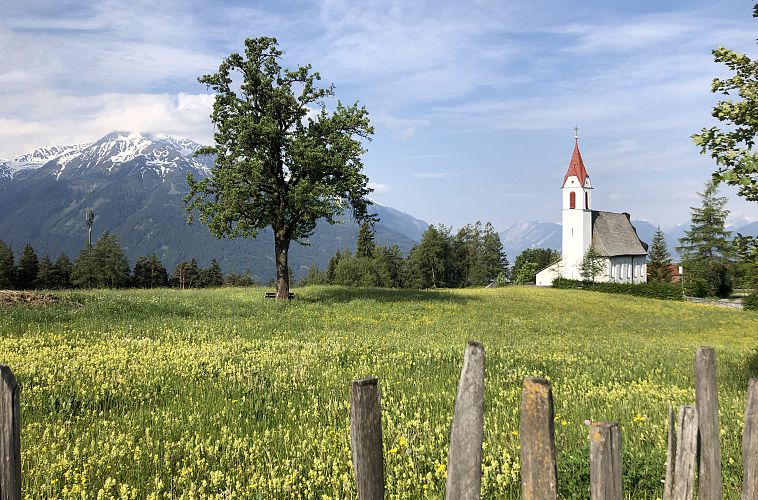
column 539, row 477
column 10, row 436
column 750, row 443
column 707, row 404
column 686, row 455
column 605, row 462
column 464, row 462
column 366, row 439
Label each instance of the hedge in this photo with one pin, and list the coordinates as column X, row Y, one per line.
column 751, row 302
column 664, row 291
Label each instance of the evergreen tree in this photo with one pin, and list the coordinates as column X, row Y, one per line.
column 7, row 268
column 332, row 267
column 494, row 260
column 149, row 272
column 48, row 275
column 63, row 269
column 313, row 277
column 84, row 272
column 213, row 276
column 429, row 264
column 28, row 266
column 746, row 268
column 112, row 266
column 706, row 249
column 233, row 279
column 658, row 269
column 364, row 244
column 392, row 260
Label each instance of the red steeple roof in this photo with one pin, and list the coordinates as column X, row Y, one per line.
column 576, row 167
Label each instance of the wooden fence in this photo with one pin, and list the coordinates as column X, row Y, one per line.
column 695, row 447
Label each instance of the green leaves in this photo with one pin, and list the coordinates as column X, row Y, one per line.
column 277, row 165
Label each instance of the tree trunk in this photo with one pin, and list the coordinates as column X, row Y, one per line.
column 281, row 248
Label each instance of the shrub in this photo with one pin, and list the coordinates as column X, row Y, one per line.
column 751, row 302
column 663, row 291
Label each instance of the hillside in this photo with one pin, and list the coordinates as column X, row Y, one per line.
column 222, row 392
column 135, row 183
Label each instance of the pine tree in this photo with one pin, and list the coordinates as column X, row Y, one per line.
column 495, row 262
column 84, row 272
column 48, row 276
column 63, row 268
column 213, row 276
column 7, row 268
column 186, row 275
column 658, row 269
column 28, row 266
column 149, row 272
column 331, row 268
column 364, row 244
column 706, row 249
column 112, row 264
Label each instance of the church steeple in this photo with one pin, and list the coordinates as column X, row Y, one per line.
column 576, row 167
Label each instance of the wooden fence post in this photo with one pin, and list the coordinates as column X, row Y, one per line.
column 464, row 460
column 605, row 462
column 539, row 477
column 668, row 484
column 10, row 436
column 686, row 455
column 366, row 439
column 750, row 443
column 707, row 404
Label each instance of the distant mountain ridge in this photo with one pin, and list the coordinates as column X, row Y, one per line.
column 135, row 183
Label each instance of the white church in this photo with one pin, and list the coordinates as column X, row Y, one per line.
column 611, row 234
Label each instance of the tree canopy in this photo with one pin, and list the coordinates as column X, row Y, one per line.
column 733, row 147
column 660, row 259
column 281, row 160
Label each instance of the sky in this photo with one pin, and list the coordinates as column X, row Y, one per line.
column 474, row 104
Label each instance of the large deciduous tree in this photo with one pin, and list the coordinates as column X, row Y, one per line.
column 733, row 148
column 282, row 161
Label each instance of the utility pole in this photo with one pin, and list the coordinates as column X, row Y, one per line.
column 90, row 218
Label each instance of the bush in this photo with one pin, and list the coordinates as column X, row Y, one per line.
column 751, row 302
column 663, row 291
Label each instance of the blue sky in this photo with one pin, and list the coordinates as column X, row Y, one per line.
column 474, row 103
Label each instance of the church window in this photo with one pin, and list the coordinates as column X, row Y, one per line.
column 586, row 200
column 572, row 200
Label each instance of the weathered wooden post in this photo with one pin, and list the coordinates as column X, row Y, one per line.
column 686, row 455
column 464, row 460
column 668, row 484
column 707, row 404
column 750, row 443
column 10, row 436
column 539, row 477
column 605, row 462
column 366, row 439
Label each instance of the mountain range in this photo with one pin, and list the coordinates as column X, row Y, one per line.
column 135, row 184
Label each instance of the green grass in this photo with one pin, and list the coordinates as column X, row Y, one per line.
column 220, row 393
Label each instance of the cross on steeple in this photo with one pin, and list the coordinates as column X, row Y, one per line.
column 576, row 132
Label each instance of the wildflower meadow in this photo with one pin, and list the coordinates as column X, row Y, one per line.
column 224, row 394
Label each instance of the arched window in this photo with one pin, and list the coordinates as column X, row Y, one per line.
column 586, row 200
column 572, row 199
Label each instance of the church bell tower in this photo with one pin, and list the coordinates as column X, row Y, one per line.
column 577, row 214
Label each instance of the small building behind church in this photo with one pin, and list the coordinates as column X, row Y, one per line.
column 612, row 235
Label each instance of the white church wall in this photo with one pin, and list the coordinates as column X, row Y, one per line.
column 628, row 269
column 547, row 275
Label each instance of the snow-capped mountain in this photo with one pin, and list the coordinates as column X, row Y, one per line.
column 530, row 234
column 117, row 151
column 135, row 184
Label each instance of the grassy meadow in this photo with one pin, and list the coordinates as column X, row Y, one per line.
column 224, row 394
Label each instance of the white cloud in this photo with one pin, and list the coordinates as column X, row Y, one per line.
column 379, row 188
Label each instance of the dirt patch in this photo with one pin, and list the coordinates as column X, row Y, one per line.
column 10, row 298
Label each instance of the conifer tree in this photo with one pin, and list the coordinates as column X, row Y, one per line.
column 84, row 271
column 660, row 259
column 63, row 268
column 495, row 262
column 213, row 276
column 48, row 276
column 149, row 272
column 7, row 268
column 706, row 249
column 111, row 263
column 28, row 266
column 186, row 275
column 364, row 244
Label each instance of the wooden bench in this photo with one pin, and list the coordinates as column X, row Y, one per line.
column 272, row 295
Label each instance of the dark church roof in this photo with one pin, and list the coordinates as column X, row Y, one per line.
column 613, row 235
